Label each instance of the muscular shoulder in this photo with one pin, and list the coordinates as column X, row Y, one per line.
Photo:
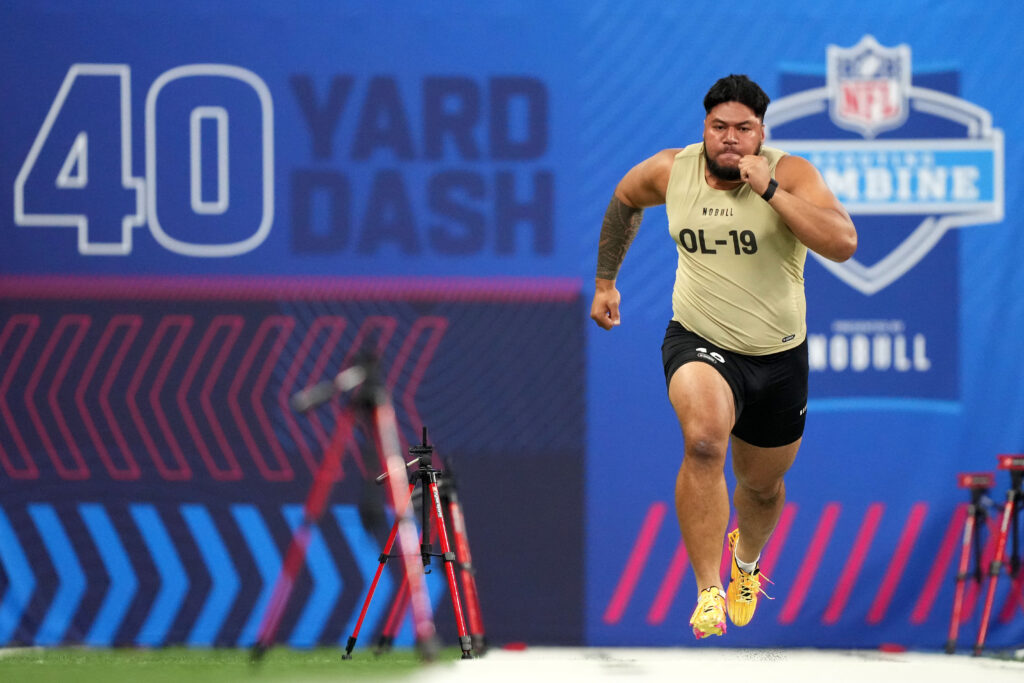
column 645, row 184
column 660, row 165
column 663, row 161
column 794, row 170
column 800, row 177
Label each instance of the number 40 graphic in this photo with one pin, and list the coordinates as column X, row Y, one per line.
column 36, row 205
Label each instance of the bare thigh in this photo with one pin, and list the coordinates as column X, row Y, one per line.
column 703, row 403
column 761, row 469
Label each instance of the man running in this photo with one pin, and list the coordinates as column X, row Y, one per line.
column 742, row 217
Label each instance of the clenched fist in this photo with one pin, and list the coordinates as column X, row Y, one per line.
column 755, row 172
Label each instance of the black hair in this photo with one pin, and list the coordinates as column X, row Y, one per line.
column 737, row 88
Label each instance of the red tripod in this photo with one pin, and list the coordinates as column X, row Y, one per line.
column 430, row 508
column 450, row 498
column 399, row 606
column 1011, row 510
column 979, row 484
column 369, row 396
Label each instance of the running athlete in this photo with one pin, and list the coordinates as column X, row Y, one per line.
column 742, row 217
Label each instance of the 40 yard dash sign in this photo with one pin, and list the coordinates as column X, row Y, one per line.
column 85, row 146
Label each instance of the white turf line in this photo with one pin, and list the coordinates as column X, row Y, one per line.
column 540, row 664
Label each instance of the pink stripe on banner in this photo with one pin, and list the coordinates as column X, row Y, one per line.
column 898, row 564
column 853, row 564
column 725, row 567
column 305, row 288
column 773, row 550
column 31, row 324
column 53, row 345
column 809, row 568
column 132, row 325
column 669, row 586
column 936, row 577
column 1014, row 599
column 635, row 564
column 83, row 323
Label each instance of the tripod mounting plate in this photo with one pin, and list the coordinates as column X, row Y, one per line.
column 1014, row 463
column 975, row 480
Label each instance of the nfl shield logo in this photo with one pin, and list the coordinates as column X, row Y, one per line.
column 935, row 181
column 868, row 86
column 910, row 160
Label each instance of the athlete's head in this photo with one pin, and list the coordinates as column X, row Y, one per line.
column 734, row 124
column 737, row 88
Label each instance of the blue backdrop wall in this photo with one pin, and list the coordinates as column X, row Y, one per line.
column 206, row 207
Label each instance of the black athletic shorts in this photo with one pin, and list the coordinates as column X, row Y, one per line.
column 770, row 391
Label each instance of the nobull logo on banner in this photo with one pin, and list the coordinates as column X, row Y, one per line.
column 910, row 160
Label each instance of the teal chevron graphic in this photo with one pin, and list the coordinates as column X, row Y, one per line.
column 123, row 584
column 327, row 584
column 70, row 577
column 366, row 552
column 21, row 582
column 96, row 592
column 224, row 587
column 173, row 579
column 268, row 563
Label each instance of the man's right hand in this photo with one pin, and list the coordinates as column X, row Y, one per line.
column 605, row 309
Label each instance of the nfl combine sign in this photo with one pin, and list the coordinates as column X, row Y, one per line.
column 910, row 160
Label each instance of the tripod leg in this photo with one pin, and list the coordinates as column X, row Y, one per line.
column 449, row 570
column 316, row 500
column 386, row 437
column 373, row 586
column 293, row 562
column 1015, row 599
column 994, row 571
column 468, row 575
column 961, row 576
column 396, row 614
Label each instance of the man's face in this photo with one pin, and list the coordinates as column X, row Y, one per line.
column 731, row 131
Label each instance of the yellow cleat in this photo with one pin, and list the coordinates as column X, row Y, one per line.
column 744, row 588
column 709, row 617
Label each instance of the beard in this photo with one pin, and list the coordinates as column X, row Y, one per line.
column 724, row 172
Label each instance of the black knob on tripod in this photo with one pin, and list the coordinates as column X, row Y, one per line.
column 423, row 452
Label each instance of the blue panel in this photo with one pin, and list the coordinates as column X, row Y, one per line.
column 173, row 579
column 20, row 580
column 71, row 579
column 123, row 583
column 366, row 552
column 268, row 561
column 327, row 585
column 224, row 585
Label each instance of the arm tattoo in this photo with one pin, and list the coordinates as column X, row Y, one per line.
column 620, row 225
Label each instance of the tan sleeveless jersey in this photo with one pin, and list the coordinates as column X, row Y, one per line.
column 739, row 282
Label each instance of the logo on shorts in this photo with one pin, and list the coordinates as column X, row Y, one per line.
column 711, row 357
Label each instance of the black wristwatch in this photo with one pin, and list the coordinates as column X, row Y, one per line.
column 773, row 185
